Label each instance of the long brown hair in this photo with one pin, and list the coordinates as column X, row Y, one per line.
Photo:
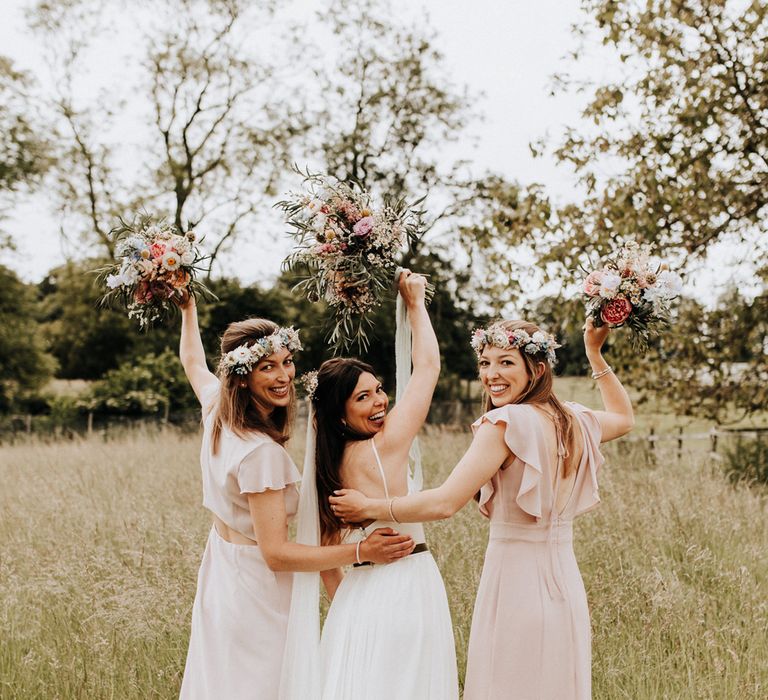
column 540, row 391
column 336, row 380
column 236, row 410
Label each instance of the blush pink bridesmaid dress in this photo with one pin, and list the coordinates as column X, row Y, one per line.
column 530, row 636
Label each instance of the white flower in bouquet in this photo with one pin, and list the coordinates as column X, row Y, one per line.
column 609, row 284
column 318, row 223
column 131, row 245
column 187, row 257
column 171, row 260
column 114, row 281
column 181, row 244
column 144, row 266
column 669, row 284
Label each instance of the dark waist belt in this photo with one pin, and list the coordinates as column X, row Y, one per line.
column 422, row 547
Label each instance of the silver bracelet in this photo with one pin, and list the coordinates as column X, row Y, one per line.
column 391, row 512
column 597, row 375
column 357, row 551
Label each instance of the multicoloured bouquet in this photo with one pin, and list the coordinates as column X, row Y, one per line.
column 156, row 264
column 629, row 290
column 346, row 251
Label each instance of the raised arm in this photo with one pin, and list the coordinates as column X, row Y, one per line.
column 618, row 418
column 191, row 352
column 482, row 460
column 407, row 417
column 268, row 516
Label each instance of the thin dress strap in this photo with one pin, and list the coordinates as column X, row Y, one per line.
column 381, row 469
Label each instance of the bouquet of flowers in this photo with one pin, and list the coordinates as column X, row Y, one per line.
column 347, row 251
column 629, row 290
column 155, row 265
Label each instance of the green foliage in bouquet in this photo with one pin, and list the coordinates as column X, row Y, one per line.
column 155, row 267
column 347, row 252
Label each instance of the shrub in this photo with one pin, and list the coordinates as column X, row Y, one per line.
column 149, row 384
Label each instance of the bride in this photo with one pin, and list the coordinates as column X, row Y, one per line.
column 388, row 633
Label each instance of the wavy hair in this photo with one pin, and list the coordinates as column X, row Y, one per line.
column 540, row 391
column 336, row 380
column 235, row 409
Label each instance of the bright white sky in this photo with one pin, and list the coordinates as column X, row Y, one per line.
column 504, row 50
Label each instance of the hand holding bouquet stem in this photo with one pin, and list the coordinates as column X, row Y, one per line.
column 413, row 288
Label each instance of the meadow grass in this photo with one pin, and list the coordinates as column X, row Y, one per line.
column 100, row 544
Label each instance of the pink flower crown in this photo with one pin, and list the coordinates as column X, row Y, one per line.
column 499, row 337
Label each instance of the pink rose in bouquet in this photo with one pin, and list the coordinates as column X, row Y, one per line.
column 616, row 311
column 363, row 227
column 592, row 283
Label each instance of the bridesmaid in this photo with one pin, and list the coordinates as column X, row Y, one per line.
column 241, row 606
column 535, row 462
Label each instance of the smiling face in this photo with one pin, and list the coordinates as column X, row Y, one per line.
column 270, row 380
column 504, row 374
column 366, row 408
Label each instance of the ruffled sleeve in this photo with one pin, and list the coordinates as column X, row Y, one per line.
column 209, row 396
column 522, row 434
column 588, row 495
column 267, row 466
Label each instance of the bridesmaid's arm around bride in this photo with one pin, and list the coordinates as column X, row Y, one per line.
column 489, row 451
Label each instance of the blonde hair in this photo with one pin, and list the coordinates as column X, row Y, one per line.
column 540, row 391
column 235, row 408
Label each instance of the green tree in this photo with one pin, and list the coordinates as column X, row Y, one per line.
column 87, row 339
column 219, row 121
column 25, row 366
column 676, row 154
column 24, row 153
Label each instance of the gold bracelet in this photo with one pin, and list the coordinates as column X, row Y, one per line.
column 597, row 375
column 391, row 512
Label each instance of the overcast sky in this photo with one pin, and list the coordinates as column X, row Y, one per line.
column 505, row 51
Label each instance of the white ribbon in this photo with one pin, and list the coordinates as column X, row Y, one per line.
column 402, row 376
column 300, row 678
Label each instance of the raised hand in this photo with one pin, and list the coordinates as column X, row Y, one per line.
column 384, row 546
column 182, row 298
column 412, row 287
column 594, row 338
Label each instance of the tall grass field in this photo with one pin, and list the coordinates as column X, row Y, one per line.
column 100, row 543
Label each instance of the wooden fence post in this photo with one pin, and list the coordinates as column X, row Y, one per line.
column 713, row 440
column 680, row 442
column 89, row 429
column 652, row 444
column 28, row 423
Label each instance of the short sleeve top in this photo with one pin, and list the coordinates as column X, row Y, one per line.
column 241, row 466
column 522, row 489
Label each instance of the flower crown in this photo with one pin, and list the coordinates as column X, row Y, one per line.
column 242, row 359
column 308, row 381
column 500, row 337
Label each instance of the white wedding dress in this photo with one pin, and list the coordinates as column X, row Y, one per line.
column 388, row 634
